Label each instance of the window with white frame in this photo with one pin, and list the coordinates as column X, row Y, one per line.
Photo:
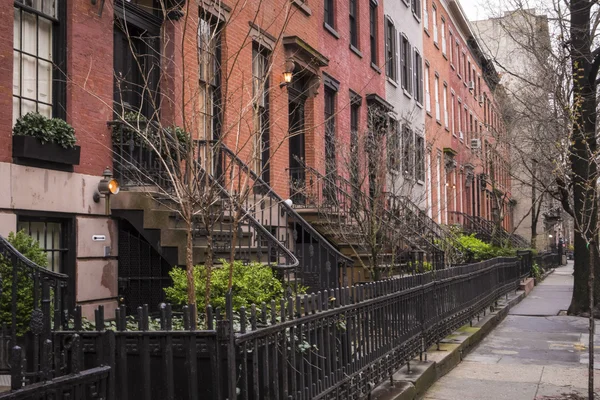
column 443, row 29
column 418, row 75
column 416, row 8
column 459, row 113
column 209, row 57
column 445, row 94
column 260, row 57
column 437, row 97
column 425, row 15
column 391, row 52
column 451, row 39
column 420, row 158
column 37, row 32
column 434, row 22
column 427, row 90
column 452, row 113
column 406, row 64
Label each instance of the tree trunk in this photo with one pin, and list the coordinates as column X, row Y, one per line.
column 583, row 146
column 591, row 322
column 189, row 264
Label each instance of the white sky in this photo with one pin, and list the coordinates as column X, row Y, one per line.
column 481, row 9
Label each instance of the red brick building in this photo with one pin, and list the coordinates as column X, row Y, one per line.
column 468, row 172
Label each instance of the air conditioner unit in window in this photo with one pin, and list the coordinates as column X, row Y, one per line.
column 480, row 99
column 475, row 144
column 461, row 135
column 471, row 86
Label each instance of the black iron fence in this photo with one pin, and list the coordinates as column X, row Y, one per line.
column 335, row 344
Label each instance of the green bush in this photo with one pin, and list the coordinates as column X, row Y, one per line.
column 482, row 250
column 27, row 246
column 46, row 130
column 536, row 271
column 252, row 284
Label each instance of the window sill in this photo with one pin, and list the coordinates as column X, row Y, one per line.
column 439, row 122
column 301, row 4
column 392, row 82
column 330, row 29
column 356, row 51
column 429, row 114
column 454, row 134
column 420, row 182
column 407, row 93
column 452, row 66
column 426, row 30
column 376, row 68
column 419, row 104
column 445, row 56
column 459, row 75
column 417, row 17
column 447, row 129
column 436, row 44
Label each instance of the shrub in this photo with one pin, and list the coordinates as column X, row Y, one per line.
column 536, row 271
column 27, row 246
column 46, row 130
column 482, row 250
column 252, row 284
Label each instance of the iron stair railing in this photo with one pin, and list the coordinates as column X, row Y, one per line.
column 135, row 147
column 337, row 195
column 321, row 265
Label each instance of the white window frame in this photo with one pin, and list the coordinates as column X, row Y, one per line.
column 427, row 89
column 436, row 90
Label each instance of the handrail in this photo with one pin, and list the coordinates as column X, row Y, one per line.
column 347, row 195
column 289, row 210
column 257, row 225
column 5, row 244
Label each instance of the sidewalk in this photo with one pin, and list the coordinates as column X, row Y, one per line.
column 533, row 353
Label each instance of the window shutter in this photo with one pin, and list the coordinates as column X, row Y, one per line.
column 403, row 61
column 410, row 67
column 387, row 47
column 396, row 45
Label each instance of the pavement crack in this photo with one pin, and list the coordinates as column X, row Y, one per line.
column 537, row 389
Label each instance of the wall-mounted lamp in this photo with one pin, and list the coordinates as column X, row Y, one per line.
column 106, row 187
column 288, row 73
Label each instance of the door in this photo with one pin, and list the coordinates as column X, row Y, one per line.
column 297, row 146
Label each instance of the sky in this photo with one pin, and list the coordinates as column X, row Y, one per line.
column 480, row 9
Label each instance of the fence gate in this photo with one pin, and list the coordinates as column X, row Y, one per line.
column 143, row 272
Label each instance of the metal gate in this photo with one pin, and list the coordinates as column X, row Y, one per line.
column 143, row 272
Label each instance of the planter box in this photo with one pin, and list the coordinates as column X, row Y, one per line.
column 30, row 148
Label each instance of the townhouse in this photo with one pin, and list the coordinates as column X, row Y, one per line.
column 284, row 86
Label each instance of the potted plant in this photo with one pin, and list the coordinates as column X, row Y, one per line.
column 49, row 140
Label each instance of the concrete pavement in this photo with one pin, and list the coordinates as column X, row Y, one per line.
column 533, row 353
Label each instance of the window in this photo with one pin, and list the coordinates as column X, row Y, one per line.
column 453, row 114
column 390, row 50
column 330, row 162
column 416, row 8
column 443, row 36
column 329, row 13
column 445, row 94
column 354, row 158
column 353, row 23
column 38, row 44
column 407, row 150
column 434, row 22
column 393, row 146
column 457, row 59
column 209, row 56
column 425, row 16
column 437, row 98
column 50, row 235
column 406, row 65
column 479, row 86
column 427, row 90
column 420, row 158
column 373, row 31
column 460, row 133
column 469, row 71
column 418, row 83
column 451, row 38
column 260, row 57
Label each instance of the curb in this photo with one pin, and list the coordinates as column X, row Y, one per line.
column 411, row 382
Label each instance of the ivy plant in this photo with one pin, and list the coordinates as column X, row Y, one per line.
column 46, row 130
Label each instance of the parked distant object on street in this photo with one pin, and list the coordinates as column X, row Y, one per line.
column 570, row 255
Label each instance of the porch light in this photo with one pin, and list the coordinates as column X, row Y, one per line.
column 288, row 73
column 106, row 187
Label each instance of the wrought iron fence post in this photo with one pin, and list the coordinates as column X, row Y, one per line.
column 225, row 336
column 16, row 368
column 110, row 349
